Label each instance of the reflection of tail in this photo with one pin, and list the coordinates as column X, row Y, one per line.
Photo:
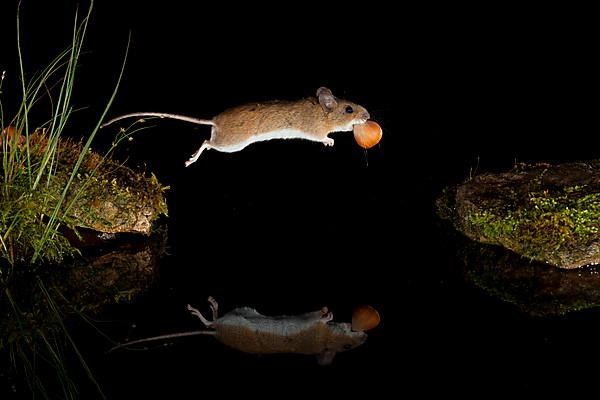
column 160, row 115
column 162, row 337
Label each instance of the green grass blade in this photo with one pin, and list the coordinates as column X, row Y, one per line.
column 55, row 214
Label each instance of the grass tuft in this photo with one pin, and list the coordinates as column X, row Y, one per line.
column 34, row 202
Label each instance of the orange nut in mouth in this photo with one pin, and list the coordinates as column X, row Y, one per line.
column 368, row 134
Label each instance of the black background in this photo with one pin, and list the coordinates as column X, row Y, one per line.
column 289, row 226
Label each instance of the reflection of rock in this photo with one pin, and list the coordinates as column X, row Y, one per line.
column 35, row 303
column 112, row 276
column 92, row 281
column 533, row 287
column 546, row 213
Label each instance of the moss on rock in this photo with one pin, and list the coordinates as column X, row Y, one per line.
column 546, row 213
column 105, row 196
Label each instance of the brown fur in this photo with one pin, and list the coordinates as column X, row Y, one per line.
column 310, row 119
column 239, row 123
column 310, row 341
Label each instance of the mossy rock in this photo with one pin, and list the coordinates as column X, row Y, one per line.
column 104, row 195
column 548, row 213
column 115, row 199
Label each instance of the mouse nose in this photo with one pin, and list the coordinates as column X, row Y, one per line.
column 366, row 115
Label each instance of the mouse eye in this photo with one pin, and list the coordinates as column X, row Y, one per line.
column 349, row 110
column 347, row 346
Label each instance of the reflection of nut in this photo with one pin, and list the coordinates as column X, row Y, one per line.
column 365, row 318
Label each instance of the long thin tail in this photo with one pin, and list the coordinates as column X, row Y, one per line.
column 162, row 337
column 160, row 115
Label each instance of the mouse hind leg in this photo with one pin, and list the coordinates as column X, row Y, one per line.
column 214, row 307
column 198, row 314
column 206, row 145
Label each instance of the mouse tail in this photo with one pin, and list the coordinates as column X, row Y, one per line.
column 162, row 337
column 160, row 115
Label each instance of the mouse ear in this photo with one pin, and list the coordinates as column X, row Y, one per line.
column 326, row 99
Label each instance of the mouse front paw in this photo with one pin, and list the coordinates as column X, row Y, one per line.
column 326, row 317
column 328, row 142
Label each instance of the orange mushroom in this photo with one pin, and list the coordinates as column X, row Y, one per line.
column 365, row 318
column 7, row 132
column 368, row 134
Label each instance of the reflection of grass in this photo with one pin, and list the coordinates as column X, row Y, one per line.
column 34, row 204
column 38, row 344
column 40, row 308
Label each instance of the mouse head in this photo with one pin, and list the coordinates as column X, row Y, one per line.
column 343, row 338
column 342, row 115
column 349, row 336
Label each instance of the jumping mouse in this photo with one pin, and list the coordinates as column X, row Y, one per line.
column 314, row 333
column 311, row 119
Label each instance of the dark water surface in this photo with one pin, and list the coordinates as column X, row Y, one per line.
column 287, row 227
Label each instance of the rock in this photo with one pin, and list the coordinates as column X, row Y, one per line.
column 119, row 200
column 548, row 213
column 110, row 197
column 41, row 185
column 105, row 195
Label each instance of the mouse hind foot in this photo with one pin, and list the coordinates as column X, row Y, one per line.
column 214, row 307
column 206, row 145
column 198, row 314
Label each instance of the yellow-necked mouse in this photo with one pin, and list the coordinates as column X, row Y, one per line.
column 310, row 119
column 314, row 333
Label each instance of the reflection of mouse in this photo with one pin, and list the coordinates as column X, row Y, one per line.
column 315, row 333
column 311, row 119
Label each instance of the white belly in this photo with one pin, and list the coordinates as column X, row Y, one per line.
column 281, row 134
column 278, row 134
